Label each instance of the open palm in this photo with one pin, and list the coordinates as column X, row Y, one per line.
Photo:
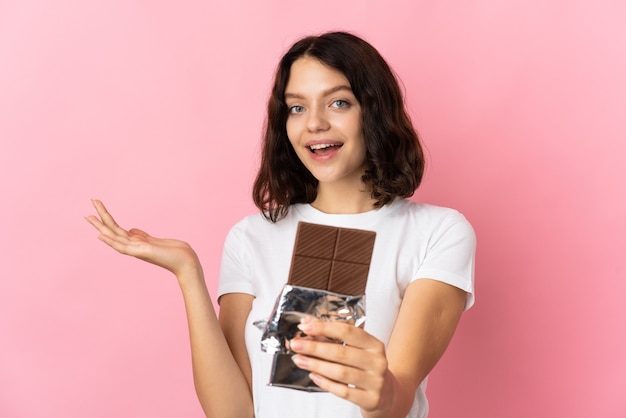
column 171, row 254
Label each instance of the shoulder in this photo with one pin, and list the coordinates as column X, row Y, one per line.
column 256, row 227
column 428, row 216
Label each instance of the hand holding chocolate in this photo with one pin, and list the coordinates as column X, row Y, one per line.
column 327, row 279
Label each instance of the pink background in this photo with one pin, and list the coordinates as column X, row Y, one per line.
column 157, row 109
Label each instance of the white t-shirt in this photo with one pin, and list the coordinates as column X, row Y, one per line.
column 413, row 241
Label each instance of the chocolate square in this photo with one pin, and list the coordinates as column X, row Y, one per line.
column 331, row 258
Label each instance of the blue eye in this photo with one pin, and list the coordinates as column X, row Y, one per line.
column 340, row 104
column 296, row 109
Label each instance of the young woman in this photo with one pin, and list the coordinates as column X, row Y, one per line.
column 339, row 150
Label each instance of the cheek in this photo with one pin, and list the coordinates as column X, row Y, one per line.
column 353, row 124
column 358, row 126
column 291, row 131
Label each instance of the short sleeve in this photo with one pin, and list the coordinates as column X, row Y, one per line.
column 450, row 255
column 235, row 276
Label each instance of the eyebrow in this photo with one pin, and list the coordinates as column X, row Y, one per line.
column 324, row 93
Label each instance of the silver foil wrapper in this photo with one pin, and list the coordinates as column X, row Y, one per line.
column 292, row 304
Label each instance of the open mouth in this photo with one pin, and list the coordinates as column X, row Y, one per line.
column 323, row 148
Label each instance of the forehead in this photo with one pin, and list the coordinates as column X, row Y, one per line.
column 310, row 76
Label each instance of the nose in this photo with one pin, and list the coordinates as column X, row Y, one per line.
column 317, row 120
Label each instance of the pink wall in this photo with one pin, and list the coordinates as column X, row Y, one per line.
column 157, row 110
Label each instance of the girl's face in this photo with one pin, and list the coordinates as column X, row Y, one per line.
column 324, row 123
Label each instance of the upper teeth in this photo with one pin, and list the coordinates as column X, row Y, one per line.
column 321, row 146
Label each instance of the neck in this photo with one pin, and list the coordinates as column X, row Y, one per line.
column 339, row 200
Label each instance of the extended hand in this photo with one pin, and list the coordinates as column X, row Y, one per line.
column 173, row 255
column 356, row 371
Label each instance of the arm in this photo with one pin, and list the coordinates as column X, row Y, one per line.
column 234, row 311
column 229, row 395
column 428, row 317
column 383, row 383
column 220, row 384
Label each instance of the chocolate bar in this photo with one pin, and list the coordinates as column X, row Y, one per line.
column 331, row 258
column 327, row 280
column 292, row 304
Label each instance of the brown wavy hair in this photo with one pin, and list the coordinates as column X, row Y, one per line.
column 395, row 160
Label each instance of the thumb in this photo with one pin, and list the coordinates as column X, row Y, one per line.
column 138, row 233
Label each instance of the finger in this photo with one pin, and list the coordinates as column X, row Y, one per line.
column 349, row 392
column 107, row 219
column 337, row 372
column 102, row 228
column 94, row 221
column 333, row 354
column 362, row 387
column 344, row 390
column 348, row 333
column 106, row 231
column 120, row 244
